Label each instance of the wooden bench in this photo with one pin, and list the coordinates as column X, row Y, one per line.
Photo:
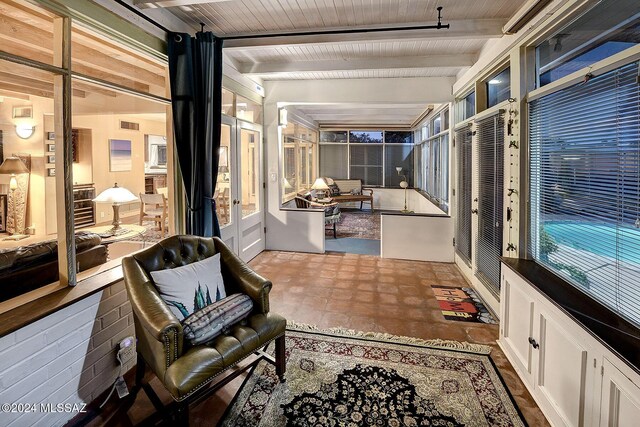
column 346, row 186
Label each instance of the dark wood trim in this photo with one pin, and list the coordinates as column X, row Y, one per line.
column 614, row 332
column 12, row 320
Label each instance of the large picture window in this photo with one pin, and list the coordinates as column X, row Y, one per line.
column 369, row 155
column 585, row 187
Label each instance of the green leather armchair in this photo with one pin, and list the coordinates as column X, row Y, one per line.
column 186, row 371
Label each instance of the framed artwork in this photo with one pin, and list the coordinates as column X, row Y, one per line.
column 51, row 159
column 51, row 172
column 51, row 148
column 51, row 136
column 3, row 213
column 119, row 155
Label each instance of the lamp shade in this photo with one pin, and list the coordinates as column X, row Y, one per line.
column 319, row 184
column 115, row 194
column 13, row 165
column 399, row 169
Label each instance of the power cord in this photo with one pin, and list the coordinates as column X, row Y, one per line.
column 119, row 378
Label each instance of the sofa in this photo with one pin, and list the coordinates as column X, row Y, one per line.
column 25, row 268
column 350, row 190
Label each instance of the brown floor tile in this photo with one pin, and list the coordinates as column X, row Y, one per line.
column 364, row 293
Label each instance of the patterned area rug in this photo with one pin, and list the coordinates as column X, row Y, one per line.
column 462, row 304
column 347, row 378
column 357, row 224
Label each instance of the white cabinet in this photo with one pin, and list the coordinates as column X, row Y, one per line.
column 549, row 353
column 568, row 372
column 620, row 404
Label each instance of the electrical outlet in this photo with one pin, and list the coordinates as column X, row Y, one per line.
column 101, row 214
column 127, row 349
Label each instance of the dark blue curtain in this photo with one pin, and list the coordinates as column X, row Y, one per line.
column 195, row 71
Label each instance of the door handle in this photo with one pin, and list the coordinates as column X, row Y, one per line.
column 533, row 343
column 235, row 202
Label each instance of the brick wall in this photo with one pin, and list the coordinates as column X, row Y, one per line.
column 67, row 357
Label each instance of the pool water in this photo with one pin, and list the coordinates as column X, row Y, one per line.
column 601, row 239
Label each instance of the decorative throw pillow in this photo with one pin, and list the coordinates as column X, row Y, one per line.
column 334, row 190
column 355, row 192
column 191, row 287
column 215, row 319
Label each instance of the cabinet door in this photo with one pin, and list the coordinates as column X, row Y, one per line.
column 562, row 378
column 620, row 405
column 517, row 325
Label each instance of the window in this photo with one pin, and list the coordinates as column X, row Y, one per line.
column 445, row 119
column 611, row 26
column 248, row 110
column 227, row 102
column 436, row 125
column 464, row 192
column 365, row 137
column 396, row 137
column 490, row 190
column 299, row 150
column 466, row 107
column 116, row 136
column 366, row 163
column 333, row 136
column 585, row 187
column 398, row 156
column 334, row 161
column 499, row 87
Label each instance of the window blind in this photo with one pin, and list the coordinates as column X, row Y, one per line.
column 334, row 161
column 585, row 187
column 463, row 193
column 490, row 160
column 366, row 163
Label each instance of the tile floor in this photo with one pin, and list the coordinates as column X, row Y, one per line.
column 366, row 293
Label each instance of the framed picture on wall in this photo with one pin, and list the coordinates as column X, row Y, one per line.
column 51, row 148
column 51, row 172
column 51, row 159
column 51, row 136
column 119, row 155
column 3, row 213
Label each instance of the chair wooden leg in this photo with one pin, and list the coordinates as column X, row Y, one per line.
column 141, row 367
column 335, row 236
column 281, row 362
column 182, row 415
column 361, row 205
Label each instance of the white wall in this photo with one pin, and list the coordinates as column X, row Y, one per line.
column 66, row 357
column 420, row 238
column 304, row 231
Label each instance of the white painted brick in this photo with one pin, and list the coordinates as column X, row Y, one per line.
column 53, row 359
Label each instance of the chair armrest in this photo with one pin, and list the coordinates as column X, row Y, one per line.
column 370, row 190
column 244, row 279
column 152, row 312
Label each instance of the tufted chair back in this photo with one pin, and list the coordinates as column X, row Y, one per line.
column 175, row 251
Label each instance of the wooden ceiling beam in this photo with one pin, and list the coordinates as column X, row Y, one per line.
column 462, row 29
column 14, row 95
column 354, row 64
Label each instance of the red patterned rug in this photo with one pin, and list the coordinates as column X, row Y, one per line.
column 347, row 378
column 357, row 224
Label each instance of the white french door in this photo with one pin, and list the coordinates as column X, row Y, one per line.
column 239, row 195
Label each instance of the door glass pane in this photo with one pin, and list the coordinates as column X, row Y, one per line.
column 248, row 110
column 223, row 183
column 227, row 102
column 249, row 156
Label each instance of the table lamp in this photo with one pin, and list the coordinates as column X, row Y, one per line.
column 117, row 196
column 404, row 185
column 320, row 185
column 13, row 166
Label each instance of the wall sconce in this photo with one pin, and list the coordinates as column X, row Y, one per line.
column 24, row 130
column 282, row 116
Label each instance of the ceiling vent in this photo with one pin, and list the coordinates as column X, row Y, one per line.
column 524, row 15
column 129, row 125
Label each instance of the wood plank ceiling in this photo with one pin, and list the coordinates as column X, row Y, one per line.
column 392, row 54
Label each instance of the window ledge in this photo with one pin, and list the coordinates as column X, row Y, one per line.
column 39, row 307
column 614, row 332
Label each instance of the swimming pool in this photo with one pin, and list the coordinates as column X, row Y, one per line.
column 601, row 239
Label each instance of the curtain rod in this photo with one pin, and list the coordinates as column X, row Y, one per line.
column 437, row 26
